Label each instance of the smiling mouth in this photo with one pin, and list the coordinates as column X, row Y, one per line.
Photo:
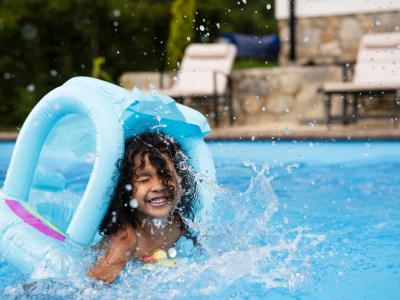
column 159, row 201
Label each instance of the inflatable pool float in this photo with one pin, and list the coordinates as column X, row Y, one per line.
column 45, row 238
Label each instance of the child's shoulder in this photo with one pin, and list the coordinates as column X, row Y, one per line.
column 125, row 237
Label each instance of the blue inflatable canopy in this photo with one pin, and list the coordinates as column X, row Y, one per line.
column 86, row 120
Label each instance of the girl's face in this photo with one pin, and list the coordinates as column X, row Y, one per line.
column 154, row 199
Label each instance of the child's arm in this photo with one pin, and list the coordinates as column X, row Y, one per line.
column 120, row 249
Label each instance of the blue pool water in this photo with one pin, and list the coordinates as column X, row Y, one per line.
column 293, row 220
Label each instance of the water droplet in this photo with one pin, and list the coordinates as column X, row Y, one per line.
column 172, row 252
column 201, row 27
column 53, row 73
column 30, row 87
column 157, row 222
column 290, row 168
column 269, row 6
column 286, row 131
column 248, row 163
column 152, row 88
column 117, row 13
column 29, row 31
column 182, row 166
column 218, row 25
column 133, row 203
column 7, row 75
column 188, row 38
column 128, row 187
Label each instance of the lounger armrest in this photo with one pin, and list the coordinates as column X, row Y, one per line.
column 228, row 77
column 347, row 72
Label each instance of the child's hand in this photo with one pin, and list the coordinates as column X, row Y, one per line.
column 120, row 249
column 107, row 272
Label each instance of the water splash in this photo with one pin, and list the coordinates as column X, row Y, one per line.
column 241, row 247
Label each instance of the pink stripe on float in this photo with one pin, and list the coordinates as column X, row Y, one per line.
column 30, row 219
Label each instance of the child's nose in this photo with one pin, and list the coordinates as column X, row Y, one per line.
column 158, row 186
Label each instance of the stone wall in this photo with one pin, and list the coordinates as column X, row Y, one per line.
column 261, row 95
column 282, row 94
column 333, row 39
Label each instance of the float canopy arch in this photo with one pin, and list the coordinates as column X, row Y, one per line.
column 109, row 140
column 114, row 114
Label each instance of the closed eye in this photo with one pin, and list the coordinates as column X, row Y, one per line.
column 142, row 179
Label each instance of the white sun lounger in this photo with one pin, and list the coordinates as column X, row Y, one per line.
column 205, row 74
column 376, row 72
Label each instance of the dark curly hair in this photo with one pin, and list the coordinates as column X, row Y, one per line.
column 156, row 146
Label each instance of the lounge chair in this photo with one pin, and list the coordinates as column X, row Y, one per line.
column 205, row 74
column 376, row 72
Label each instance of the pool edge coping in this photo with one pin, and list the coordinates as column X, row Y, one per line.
column 317, row 134
column 8, row 136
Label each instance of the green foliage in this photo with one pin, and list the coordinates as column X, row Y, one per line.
column 44, row 43
column 246, row 63
column 97, row 72
column 252, row 17
column 181, row 29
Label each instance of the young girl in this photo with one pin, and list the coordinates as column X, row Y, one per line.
column 155, row 194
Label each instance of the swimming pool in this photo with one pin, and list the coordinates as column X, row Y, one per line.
column 293, row 220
